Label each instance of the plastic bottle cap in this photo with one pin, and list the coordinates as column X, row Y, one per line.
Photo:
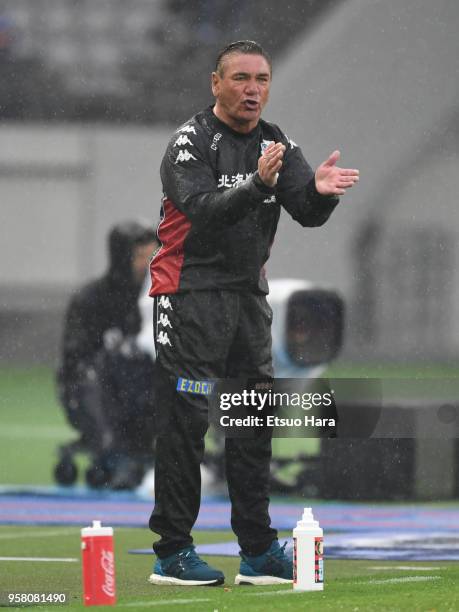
column 307, row 520
column 96, row 529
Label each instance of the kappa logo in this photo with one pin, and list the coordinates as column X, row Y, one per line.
column 183, row 140
column 188, row 129
column 265, row 144
column 165, row 302
column 163, row 338
column 184, row 155
column 164, row 320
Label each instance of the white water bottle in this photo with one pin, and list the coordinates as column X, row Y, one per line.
column 308, row 554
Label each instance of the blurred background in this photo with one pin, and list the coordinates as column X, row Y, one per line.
column 90, row 93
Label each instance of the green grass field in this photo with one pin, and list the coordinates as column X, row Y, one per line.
column 32, row 423
column 31, row 427
column 349, row 585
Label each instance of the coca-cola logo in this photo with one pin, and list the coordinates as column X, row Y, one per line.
column 107, row 562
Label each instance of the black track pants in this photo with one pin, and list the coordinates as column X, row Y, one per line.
column 205, row 335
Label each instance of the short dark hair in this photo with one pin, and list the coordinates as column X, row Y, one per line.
column 241, row 46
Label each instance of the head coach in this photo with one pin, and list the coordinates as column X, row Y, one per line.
column 226, row 174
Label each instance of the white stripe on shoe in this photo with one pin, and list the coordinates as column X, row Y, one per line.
column 171, row 581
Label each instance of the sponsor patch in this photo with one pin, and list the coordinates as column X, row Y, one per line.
column 229, row 181
column 215, row 140
column 200, row 387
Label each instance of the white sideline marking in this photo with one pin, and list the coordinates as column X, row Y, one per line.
column 35, row 534
column 61, row 559
column 404, row 579
column 146, row 604
column 407, row 568
column 44, row 432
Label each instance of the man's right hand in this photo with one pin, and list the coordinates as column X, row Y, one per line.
column 270, row 163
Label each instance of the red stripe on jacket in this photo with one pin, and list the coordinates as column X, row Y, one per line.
column 166, row 266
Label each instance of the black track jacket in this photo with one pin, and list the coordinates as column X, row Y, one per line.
column 218, row 219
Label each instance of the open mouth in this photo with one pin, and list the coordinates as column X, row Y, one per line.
column 251, row 104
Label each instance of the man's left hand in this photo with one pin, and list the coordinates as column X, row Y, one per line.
column 333, row 180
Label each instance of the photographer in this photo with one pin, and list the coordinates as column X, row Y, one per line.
column 103, row 319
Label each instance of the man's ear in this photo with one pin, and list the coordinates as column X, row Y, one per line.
column 215, row 83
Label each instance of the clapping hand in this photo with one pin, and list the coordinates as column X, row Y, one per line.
column 333, row 180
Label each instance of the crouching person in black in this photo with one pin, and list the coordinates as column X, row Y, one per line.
column 96, row 385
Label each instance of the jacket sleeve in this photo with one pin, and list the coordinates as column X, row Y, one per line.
column 190, row 183
column 296, row 191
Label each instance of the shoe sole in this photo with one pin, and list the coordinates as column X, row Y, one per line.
column 171, row 581
column 260, row 580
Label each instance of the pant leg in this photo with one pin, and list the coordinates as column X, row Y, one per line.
column 182, row 425
column 194, row 332
column 248, row 475
column 248, row 459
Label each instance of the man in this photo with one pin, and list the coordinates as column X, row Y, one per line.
column 225, row 175
column 99, row 316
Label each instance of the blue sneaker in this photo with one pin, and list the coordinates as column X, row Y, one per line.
column 185, row 568
column 273, row 567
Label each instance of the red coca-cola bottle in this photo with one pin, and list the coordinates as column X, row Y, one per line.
column 98, row 565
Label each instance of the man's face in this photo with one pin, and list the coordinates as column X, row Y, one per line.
column 242, row 90
column 141, row 256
